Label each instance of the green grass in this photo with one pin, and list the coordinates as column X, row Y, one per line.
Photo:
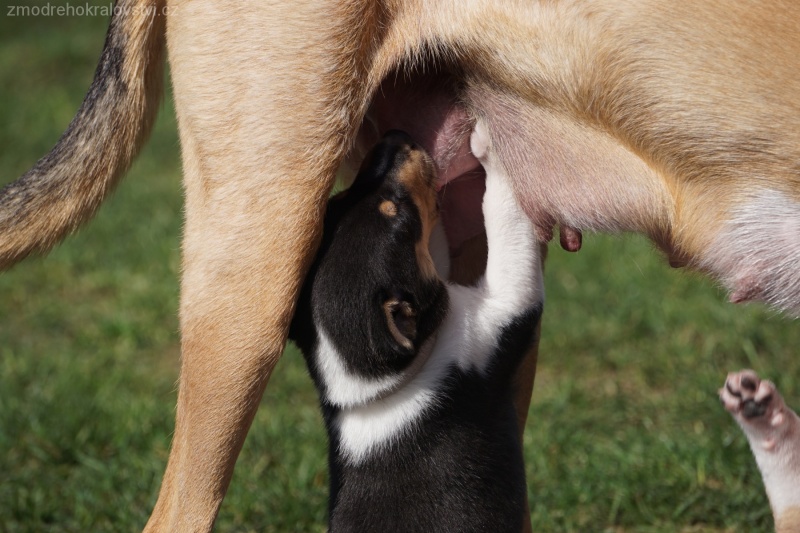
column 625, row 432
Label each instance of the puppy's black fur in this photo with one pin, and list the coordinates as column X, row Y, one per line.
column 456, row 467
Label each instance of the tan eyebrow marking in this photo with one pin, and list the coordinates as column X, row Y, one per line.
column 388, row 208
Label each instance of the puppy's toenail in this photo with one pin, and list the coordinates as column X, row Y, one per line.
column 749, row 384
column 733, row 392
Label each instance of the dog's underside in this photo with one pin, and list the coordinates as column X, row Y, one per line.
column 679, row 122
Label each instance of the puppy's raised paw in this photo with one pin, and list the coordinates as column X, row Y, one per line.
column 773, row 430
column 756, row 405
column 480, row 142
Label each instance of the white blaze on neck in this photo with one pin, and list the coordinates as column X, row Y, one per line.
column 342, row 387
column 366, row 428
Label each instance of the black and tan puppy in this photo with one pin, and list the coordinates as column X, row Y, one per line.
column 414, row 374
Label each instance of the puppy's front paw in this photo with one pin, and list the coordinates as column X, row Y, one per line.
column 480, row 142
column 756, row 405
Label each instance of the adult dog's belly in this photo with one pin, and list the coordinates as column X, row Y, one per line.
column 575, row 172
column 436, row 114
column 565, row 174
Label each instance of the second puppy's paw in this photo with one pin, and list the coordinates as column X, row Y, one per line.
column 756, row 405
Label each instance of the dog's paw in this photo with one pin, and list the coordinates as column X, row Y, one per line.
column 480, row 142
column 756, row 405
column 499, row 195
column 773, row 430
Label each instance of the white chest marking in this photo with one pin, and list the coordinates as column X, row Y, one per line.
column 343, row 388
column 366, row 428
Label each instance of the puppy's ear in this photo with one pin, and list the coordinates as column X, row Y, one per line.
column 401, row 319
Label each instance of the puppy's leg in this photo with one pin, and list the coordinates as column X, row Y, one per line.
column 513, row 268
column 466, row 269
column 514, row 235
column 773, row 431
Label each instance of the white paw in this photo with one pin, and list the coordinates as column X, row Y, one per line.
column 755, row 404
column 480, row 141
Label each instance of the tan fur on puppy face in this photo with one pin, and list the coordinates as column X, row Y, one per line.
column 388, row 208
column 418, row 177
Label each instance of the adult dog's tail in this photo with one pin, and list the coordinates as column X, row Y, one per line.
column 67, row 185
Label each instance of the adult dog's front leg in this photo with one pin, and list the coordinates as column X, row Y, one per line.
column 262, row 131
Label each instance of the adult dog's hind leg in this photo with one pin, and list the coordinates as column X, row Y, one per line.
column 244, row 261
column 261, row 139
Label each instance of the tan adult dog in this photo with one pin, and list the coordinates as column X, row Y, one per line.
column 679, row 121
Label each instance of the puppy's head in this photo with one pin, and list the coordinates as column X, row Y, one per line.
column 375, row 291
column 401, row 176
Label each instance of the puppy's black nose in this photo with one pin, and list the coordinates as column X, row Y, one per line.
column 399, row 137
column 390, row 152
column 388, row 155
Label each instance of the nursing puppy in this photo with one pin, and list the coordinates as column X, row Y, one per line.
column 773, row 431
column 414, row 374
